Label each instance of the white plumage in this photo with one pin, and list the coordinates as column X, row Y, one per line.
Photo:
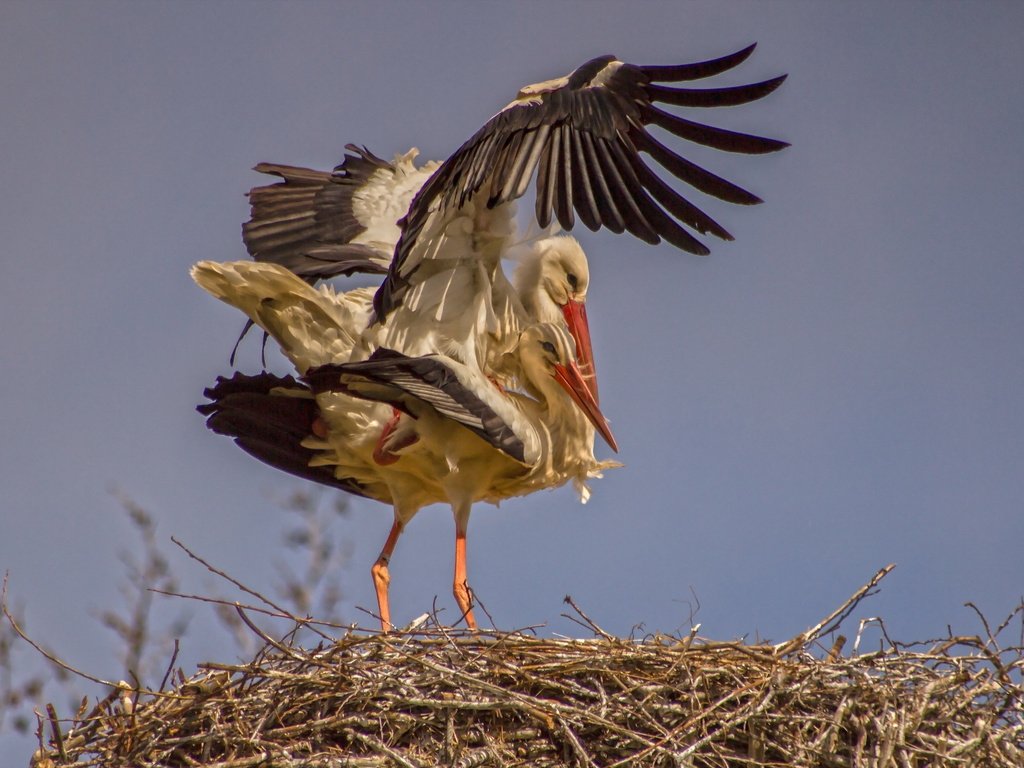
column 411, row 385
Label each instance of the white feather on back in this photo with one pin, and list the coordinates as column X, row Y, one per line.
column 385, row 198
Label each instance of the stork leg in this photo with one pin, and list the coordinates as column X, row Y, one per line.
column 381, row 577
column 460, row 588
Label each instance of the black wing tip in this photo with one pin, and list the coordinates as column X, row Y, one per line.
column 771, row 145
column 355, row 164
column 386, row 353
column 573, row 179
column 730, row 96
column 766, row 87
column 738, row 57
column 697, row 70
column 328, row 377
column 692, row 246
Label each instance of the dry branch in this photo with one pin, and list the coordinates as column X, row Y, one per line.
column 448, row 697
column 506, row 699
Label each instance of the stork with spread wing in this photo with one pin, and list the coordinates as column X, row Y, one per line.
column 441, row 230
column 448, row 332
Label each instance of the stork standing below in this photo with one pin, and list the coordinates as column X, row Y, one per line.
column 475, row 443
column 466, row 440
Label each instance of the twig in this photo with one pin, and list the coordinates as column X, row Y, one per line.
column 57, row 735
column 834, row 619
column 1006, row 622
column 302, row 622
column 53, row 659
column 378, row 746
column 247, row 590
column 581, row 753
column 590, row 622
column 170, row 665
column 479, row 602
column 266, row 638
column 981, row 617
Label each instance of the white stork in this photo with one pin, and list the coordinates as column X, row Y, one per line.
column 466, row 440
column 445, row 298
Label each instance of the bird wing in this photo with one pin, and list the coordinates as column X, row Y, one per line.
column 583, row 135
column 456, row 392
column 322, row 224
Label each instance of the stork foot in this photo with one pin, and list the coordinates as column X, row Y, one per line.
column 464, row 597
column 381, row 581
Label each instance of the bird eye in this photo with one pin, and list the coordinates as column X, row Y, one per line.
column 574, row 281
column 548, row 347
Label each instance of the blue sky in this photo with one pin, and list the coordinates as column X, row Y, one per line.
column 839, row 388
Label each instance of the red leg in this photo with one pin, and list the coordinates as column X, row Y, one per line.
column 381, row 577
column 463, row 594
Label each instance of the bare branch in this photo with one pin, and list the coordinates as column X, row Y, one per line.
column 831, row 622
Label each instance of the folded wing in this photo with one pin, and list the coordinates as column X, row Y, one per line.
column 454, row 391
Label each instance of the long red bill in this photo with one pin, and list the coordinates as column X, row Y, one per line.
column 575, row 314
column 572, row 381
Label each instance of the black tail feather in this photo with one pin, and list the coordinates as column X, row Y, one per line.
column 270, row 424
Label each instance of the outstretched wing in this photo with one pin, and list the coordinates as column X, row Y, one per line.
column 583, row 135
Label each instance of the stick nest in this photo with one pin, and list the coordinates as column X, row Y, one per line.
column 493, row 699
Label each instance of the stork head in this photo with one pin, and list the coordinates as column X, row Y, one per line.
column 548, row 356
column 553, row 281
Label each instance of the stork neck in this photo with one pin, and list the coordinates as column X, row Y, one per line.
column 563, row 414
column 533, row 293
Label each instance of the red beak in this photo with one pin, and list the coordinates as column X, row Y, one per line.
column 572, row 381
column 575, row 314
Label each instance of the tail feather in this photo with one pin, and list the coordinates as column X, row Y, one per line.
column 268, row 417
